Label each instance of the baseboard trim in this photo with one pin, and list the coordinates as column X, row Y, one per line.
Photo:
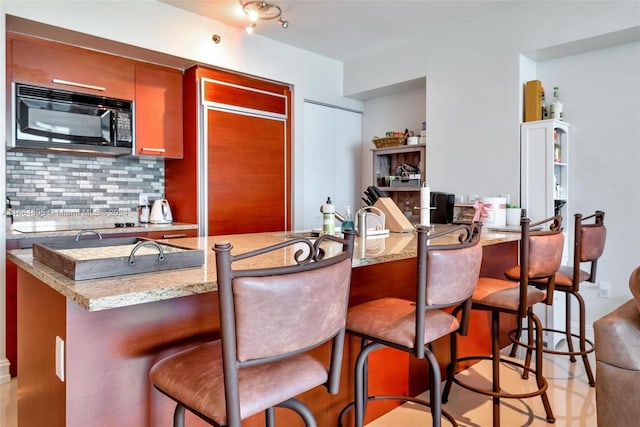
column 5, row 376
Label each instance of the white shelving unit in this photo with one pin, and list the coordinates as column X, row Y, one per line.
column 544, row 188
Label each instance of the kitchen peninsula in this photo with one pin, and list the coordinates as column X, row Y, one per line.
column 114, row 329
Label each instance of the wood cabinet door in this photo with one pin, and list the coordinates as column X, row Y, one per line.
column 247, row 178
column 158, row 105
column 70, row 68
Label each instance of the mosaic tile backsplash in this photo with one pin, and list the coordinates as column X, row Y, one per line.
column 50, row 184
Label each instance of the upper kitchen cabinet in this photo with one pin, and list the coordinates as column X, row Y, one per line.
column 44, row 63
column 158, row 104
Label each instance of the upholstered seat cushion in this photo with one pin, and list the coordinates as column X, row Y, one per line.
column 393, row 320
column 634, row 285
column 503, row 294
column 563, row 276
column 261, row 386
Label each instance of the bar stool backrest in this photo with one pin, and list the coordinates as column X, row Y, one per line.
column 540, row 256
column 588, row 245
column 274, row 313
column 447, row 274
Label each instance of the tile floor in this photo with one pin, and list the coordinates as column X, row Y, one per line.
column 572, row 400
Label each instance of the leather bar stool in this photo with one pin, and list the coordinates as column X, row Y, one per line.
column 590, row 234
column 446, row 276
column 269, row 319
column 540, row 257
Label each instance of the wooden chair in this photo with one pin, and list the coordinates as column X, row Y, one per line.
column 588, row 246
column 269, row 319
column 446, row 276
column 540, row 258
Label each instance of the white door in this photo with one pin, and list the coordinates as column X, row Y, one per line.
column 332, row 164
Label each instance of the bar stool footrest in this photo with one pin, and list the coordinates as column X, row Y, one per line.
column 501, row 394
column 351, row 405
column 588, row 350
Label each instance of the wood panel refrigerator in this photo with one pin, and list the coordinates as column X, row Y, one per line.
column 235, row 176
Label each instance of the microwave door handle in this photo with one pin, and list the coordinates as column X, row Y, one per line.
column 76, row 84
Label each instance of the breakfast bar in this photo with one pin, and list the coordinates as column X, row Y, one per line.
column 85, row 347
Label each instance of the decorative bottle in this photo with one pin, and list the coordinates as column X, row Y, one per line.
column 556, row 106
column 545, row 112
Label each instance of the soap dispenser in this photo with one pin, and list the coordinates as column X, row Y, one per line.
column 347, row 224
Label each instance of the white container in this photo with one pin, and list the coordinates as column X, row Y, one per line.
column 496, row 208
column 412, row 140
column 513, row 216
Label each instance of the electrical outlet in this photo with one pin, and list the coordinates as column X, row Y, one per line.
column 604, row 290
column 60, row 358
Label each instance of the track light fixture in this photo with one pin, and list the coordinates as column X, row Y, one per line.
column 262, row 11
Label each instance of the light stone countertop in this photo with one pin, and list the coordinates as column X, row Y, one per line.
column 71, row 230
column 122, row 291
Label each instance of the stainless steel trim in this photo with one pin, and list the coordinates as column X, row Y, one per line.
column 202, row 170
column 76, row 84
column 174, row 236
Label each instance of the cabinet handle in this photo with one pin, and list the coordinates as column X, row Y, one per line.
column 153, row 150
column 173, row 236
column 84, row 85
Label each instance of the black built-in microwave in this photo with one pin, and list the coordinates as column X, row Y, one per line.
column 53, row 120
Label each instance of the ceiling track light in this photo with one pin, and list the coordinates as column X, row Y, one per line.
column 262, row 11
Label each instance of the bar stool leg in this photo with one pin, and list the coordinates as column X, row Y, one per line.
column 540, row 380
column 567, row 327
column 530, row 342
column 434, row 389
column 583, row 343
column 518, row 335
column 361, row 380
column 270, row 419
column 451, row 367
column 178, row 416
column 495, row 350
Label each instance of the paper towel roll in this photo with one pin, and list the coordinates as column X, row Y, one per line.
column 425, row 208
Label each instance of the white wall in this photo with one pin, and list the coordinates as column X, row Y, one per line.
column 600, row 91
column 475, row 74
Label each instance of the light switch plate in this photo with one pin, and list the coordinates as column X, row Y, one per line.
column 60, row 358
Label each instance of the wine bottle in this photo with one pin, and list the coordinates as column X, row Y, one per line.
column 556, row 105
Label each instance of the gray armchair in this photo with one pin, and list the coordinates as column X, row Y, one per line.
column 617, row 347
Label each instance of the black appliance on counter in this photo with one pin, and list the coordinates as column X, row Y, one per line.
column 443, row 204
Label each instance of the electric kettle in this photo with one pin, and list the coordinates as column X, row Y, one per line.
column 160, row 212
